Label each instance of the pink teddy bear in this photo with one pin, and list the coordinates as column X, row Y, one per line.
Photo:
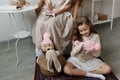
column 88, row 45
column 91, row 46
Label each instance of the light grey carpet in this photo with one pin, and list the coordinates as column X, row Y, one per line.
column 25, row 70
column 111, row 44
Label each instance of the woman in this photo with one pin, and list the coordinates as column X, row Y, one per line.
column 54, row 17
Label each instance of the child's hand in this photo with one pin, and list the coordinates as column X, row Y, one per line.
column 76, row 43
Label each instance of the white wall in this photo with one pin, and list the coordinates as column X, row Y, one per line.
column 6, row 27
column 108, row 7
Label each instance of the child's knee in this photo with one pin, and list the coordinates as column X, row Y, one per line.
column 108, row 69
column 67, row 70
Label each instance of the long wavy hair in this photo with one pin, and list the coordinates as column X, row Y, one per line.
column 84, row 20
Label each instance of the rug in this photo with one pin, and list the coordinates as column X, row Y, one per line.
column 62, row 76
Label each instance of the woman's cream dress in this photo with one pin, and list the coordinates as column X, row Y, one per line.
column 60, row 26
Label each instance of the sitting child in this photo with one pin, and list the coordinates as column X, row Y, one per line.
column 83, row 60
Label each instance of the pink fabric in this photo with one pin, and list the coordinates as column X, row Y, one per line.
column 76, row 42
column 90, row 46
column 97, row 46
column 46, row 39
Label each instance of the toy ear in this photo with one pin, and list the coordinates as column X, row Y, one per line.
column 57, row 52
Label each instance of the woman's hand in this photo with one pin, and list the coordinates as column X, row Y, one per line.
column 62, row 10
column 55, row 12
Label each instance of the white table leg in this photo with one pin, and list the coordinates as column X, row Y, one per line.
column 18, row 34
column 8, row 45
column 8, row 36
column 16, row 43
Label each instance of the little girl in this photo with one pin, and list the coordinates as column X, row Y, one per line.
column 83, row 60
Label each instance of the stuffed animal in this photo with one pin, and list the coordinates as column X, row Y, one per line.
column 51, row 61
column 19, row 3
column 90, row 46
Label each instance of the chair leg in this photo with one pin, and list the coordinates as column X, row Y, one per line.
column 16, row 48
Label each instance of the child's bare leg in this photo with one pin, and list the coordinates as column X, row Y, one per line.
column 70, row 69
column 103, row 69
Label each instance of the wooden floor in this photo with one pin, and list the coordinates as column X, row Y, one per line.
column 25, row 70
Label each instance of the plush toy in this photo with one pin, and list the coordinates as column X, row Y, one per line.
column 51, row 61
column 19, row 3
column 77, row 46
column 90, row 46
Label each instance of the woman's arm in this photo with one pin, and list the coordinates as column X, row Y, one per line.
column 64, row 9
column 40, row 5
column 48, row 5
column 75, row 10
